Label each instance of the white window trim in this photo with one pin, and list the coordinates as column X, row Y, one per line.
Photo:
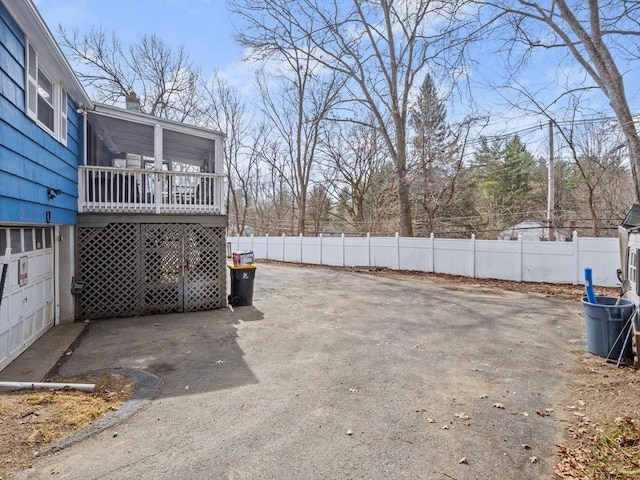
column 58, row 102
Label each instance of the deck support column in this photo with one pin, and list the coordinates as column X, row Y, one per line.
column 157, row 155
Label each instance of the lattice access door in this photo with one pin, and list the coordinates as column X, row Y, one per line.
column 183, row 267
column 143, row 269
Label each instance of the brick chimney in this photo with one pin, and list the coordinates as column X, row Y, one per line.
column 132, row 102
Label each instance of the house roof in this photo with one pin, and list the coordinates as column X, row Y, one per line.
column 150, row 120
column 26, row 15
column 632, row 220
column 530, row 230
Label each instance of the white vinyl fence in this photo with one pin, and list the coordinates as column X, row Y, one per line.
column 519, row 260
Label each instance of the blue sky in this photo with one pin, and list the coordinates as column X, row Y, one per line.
column 203, row 26
column 205, row 29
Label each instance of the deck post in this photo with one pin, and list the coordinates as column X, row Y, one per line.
column 157, row 155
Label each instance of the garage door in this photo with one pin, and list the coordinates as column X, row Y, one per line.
column 27, row 309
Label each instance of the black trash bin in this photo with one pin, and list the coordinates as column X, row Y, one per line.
column 241, row 285
column 608, row 326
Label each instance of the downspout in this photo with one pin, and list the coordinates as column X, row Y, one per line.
column 84, row 137
column 81, row 110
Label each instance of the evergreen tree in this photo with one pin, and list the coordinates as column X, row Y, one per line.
column 504, row 182
column 436, row 164
column 428, row 120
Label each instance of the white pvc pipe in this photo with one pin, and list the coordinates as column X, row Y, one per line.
column 9, row 386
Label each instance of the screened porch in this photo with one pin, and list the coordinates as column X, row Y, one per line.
column 136, row 163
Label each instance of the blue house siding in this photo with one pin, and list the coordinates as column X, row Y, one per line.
column 30, row 159
column 75, row 134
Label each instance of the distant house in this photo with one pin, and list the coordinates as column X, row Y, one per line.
column 105, row 211
column 531, row 230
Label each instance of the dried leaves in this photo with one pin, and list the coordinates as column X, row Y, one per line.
column 466, row 418
column 609, row 451
column 545, row 413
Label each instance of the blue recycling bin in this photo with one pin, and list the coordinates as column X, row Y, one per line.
column 608, row 326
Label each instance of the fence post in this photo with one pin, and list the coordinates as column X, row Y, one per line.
column 301, row 248
column 369, row 248
column 433, row 252
column 267, row 247
column 320, row 236
column 237, row 242
column 252, row 248
column 343, row 260
column 519, row 259
column 473, row 256
column 576, row 258
column 284, row 242
column 398, row 250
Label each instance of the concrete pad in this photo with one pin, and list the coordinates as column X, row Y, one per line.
column 35, row 363
column 338, row 375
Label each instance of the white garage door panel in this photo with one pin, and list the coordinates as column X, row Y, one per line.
column 26, row 311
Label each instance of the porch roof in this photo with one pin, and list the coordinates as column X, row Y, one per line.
column 632, row 220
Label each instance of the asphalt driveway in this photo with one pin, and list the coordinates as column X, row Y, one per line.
column 337, row 375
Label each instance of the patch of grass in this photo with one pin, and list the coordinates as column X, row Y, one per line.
column 32, row 421
column 40, row 398
column 611, row 454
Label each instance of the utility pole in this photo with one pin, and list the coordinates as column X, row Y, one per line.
column 550, row 187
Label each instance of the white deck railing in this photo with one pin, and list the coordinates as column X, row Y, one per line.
column 123, row 190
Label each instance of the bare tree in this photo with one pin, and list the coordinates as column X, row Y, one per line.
column 272, row 206
column 355, row 156
column 226, row 111
column 599, row 36
column 597, row 152
column 380, row 46
column 319, row 205
column 295, row 103
column 164, row 78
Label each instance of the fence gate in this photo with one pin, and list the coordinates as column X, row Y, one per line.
column 141, row 269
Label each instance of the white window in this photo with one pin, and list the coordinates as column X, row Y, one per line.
column 46, row 100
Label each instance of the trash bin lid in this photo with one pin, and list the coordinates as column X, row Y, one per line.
column 250, row 266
